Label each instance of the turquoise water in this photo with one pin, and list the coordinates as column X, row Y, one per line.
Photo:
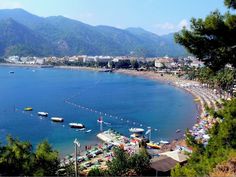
column 126, row 99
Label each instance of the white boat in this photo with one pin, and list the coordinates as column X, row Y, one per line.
column 164, row 142
column 136, row 130
column 178, row 131
column 107, row 123
column 45, row 114
column 135, row 135
column 88, row 131
column 57, row 119
column 76, row 125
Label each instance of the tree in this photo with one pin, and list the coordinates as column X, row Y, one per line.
column 123, row 64
column 124, row 164
column 139, row 162
column 16, row 158
column 220, row 146
column 134, row 64
column 46, row 160
column 119, row 164
column 95, row 172
column 230, row 4
column 212, row 39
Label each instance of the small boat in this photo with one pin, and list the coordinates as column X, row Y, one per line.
column 136, row 130
column 107, row 123
column 135, row 135
column 153, row 145
column 44, row 114
column 28, row 109
column 76, row 125
column 11, row 72
column 88, row 131
column 164, row 142
column 57, row 119
column 178, row 130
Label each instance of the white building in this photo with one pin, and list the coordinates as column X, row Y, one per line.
column 89, row 59
column 197, row 64
column 40, row 61
column 13, row 59
column 103, row 58
column 164, row 62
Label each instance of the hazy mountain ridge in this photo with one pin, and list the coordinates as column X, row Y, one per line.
column 58, row 35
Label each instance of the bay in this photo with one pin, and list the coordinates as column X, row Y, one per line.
column 123, row 101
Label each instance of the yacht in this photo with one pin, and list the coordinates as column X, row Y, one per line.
column 153, row 145
column 76, row 125
column 28, row 109
column 44, row 114
column 136, row 130
column 164, row 142
column 57, row 119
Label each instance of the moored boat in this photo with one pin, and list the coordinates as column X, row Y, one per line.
column 136, row 130
column 164, row 142
column 57, row 119
column 88, row 131
column 76, row 125
column 28, row 109
column 178, row 130
column 153, row 145
column 44, row 114
column 135, row 135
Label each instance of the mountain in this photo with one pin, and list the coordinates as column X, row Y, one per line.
column 26, row 34
column 17, row 39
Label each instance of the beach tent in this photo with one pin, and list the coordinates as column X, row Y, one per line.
column 162, row 165
column 176, row 155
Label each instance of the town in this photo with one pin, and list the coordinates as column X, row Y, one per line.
column 161, row 64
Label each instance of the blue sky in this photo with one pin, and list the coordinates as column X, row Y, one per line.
column 158, row 16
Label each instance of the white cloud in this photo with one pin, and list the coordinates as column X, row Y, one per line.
column 183, row 23
column 165, row 26
column 4, row 4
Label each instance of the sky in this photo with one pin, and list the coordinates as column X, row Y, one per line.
column 158, row 16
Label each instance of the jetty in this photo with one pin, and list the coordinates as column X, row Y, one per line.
column 113, row 138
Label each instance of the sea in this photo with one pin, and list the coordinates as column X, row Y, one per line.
column 83, row 96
